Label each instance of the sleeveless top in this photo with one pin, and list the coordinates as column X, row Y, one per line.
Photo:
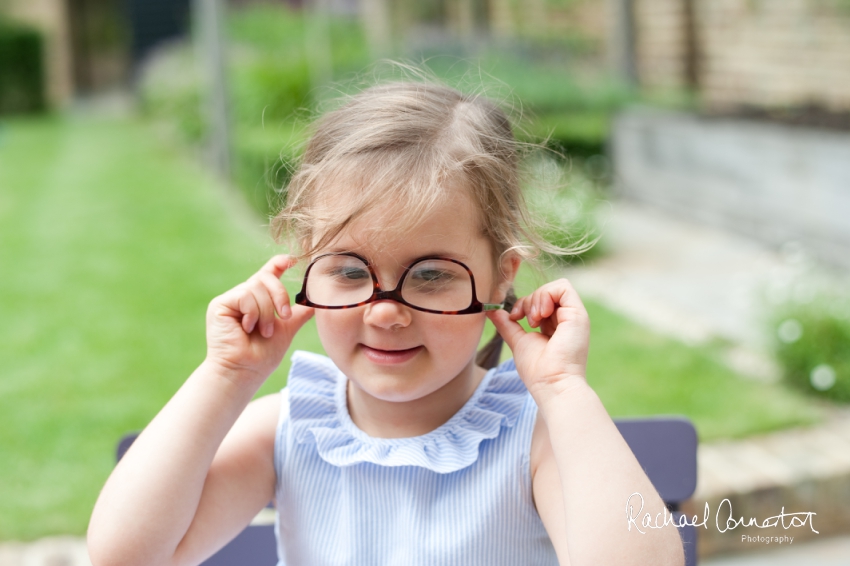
column 459, row 495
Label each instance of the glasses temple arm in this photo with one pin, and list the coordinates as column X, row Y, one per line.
column 507, row 304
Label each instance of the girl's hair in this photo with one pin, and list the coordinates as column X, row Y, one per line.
column 410, row 143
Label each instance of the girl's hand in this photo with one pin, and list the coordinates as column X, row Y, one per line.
column 243, row 334
column 553, row 360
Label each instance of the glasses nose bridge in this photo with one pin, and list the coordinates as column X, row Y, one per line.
column 382, row 290
column 391, row 295
column 382, row 293
column 385, row 292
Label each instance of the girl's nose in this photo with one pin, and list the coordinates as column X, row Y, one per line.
column 387, row 314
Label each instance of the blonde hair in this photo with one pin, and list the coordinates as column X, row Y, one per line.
column 403, row 142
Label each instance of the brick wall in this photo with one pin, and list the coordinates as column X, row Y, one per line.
column 660, row 49
column 758, row 52
column 587, row 18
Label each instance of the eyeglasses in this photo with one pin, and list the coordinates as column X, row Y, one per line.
column 431, row 284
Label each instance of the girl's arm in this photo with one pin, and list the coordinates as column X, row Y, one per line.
column 597, row 471
column 203, row 466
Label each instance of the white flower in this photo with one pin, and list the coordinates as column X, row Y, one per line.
column 822, row 377
column 790, row 331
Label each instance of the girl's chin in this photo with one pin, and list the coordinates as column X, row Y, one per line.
column 389, row 357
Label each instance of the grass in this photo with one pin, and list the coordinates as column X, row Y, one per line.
column 636, row 373
column 113, row 243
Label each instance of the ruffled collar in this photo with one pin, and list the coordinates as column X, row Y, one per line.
column 319, row 413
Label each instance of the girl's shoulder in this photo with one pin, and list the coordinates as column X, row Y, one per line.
column 261, row 416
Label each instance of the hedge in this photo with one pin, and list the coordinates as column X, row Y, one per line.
column 21, row 69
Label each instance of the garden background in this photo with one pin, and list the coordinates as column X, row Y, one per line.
column 118, row 227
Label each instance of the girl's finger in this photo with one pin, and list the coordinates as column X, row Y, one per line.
column 570, row 302
column 285, row 330
column 277, row 292
column 249, row 309
column 548, row 326
column 226, row 304
column 555, row 294
column 510, row 330
column 548, row 305
column 278, row 264
column 265, row 304
column 519, row 310
column 534, row 319
column 540, row 297
column 300, row 315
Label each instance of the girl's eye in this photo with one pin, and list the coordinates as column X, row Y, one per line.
column 349, row 273
column 432, row 275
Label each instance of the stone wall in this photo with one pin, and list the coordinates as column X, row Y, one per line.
column 774, row 183
column 749, row 52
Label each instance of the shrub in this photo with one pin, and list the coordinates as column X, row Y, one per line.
column 564, row 202
column 170, row 87
column 578, row 133
column 813, row 346
column 263, row 164
column 572, row 114
column 21, row 69
column 269, row 88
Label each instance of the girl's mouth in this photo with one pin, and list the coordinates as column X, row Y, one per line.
column 377, row 356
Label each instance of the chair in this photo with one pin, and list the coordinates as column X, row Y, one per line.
column 666, row 448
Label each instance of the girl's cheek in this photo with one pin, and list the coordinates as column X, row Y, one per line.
column 459, row 331
column 335, row 326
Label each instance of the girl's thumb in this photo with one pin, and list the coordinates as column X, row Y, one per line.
column 300, row 315
column 287, row 328
column 510, row 330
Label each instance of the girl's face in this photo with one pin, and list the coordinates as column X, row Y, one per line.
column 391, row 351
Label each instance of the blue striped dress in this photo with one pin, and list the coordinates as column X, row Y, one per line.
column 459, row 495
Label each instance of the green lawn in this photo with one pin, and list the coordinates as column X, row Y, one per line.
column 113, row 241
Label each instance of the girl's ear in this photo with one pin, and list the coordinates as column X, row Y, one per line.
column 508, row 268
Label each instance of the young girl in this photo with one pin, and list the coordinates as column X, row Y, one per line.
column 396, row 448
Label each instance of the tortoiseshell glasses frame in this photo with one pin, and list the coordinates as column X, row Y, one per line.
column 379, row 294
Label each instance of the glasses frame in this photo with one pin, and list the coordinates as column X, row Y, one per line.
column 379, row 294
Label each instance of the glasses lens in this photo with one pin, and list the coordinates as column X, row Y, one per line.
column 338, row 281
column 438, row 285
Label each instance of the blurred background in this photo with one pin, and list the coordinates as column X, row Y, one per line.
column 703, row 144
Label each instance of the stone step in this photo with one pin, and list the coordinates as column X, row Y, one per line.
column 800, row 471
column 51, row 551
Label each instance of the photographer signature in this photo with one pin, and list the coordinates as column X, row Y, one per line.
column 666, row 518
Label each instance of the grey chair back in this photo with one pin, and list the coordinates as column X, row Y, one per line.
column 666, row 448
